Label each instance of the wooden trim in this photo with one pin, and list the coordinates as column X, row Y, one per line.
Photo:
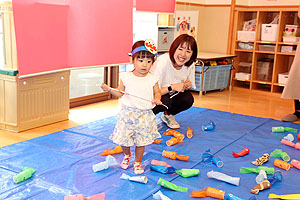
column 94, row 98
column 267, row 7
column 204, row 5
column 230, row 31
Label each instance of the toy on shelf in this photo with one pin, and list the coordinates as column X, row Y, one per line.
column 208, row 192
column 160, row 196
column 244, row 152
column 116, row 150
column 209, row 157
column 139, row 179
column 189, row 133
column 173, row 155
column 188, row 172
column 298, row 136
column 281, row 129
column 173, row 141
column 291, row 144
column 171, row 132
column 171, row 186
column 157, row 141
column 100, row 196
column 296, row 163
column 209, row 126
column 279, row 153
column 109, row 161
column 26, row 173
column 245, row 170
column 285, row 196
column 223, row 177
column 261, row 160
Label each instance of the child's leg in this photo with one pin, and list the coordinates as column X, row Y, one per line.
column 126, row 160
column 126, row 150
column 139, row 152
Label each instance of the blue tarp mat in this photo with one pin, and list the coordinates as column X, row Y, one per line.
column 64, row 159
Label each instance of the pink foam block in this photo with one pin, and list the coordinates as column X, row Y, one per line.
column 100, row 196
column 297, row 146
column 286, row 142
column 296, row 163
column 160, row 163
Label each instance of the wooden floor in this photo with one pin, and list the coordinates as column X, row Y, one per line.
column 241, row 101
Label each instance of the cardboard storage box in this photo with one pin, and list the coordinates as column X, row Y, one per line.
column 282, row 78
column 243, row 76
column 246, row 35
column 34, row 101
column 269, row 32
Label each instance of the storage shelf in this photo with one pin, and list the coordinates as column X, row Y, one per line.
column 280, row 62
column 265, row 52
column 288, row 54
column 237, row 79
column 244, row 50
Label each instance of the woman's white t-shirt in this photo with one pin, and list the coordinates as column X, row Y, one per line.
column 136, row 87
column 167, row 73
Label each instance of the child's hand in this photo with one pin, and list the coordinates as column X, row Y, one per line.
column 156, row 102
column 105, row 87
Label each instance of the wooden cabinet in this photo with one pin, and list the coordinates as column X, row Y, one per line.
column 266, row 57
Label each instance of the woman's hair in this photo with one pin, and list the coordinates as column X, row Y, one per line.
column 191, row 44
column 141, row 54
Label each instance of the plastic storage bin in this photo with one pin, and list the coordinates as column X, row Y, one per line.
column 269, row 32
column 265, row 69
column 245, row 67
column 266, row 47
column 34, row 101
column 246, row 35
column 215, row 78
column 282, row 78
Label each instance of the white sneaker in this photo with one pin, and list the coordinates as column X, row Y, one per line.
column 170, row 121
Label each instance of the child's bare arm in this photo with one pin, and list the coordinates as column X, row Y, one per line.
column 113, row 92
column 157, row 95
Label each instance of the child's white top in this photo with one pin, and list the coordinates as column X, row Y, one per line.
column 138, row 86
column 168, row 75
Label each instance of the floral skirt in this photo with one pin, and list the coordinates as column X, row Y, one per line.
column 135, row 127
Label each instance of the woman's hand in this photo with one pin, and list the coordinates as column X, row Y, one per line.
column 179, row 87
column 187, row 84
column 156, row 101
